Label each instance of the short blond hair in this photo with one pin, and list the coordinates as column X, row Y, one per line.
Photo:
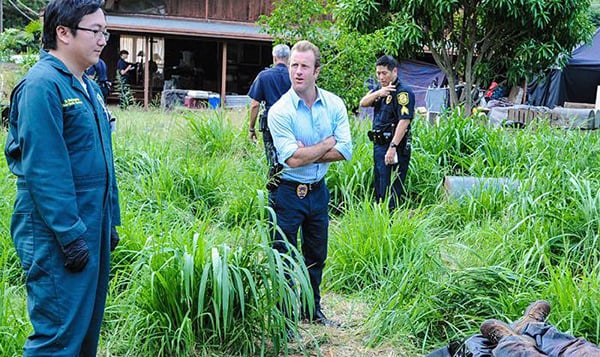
column 304, row 46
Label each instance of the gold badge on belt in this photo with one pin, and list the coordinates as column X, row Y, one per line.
column 388, row 99
column 301, row 190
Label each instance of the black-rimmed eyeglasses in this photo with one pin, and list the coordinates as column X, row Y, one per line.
column 97, row 33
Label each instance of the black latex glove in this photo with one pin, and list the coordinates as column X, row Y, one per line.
column 76, row 255
column 114, row 238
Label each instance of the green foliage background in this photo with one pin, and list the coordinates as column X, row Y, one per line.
column 28, row 10
column 348, row 57
column 469, row 40
column 15, row 41
column 476, row 41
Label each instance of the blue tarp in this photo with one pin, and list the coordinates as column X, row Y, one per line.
column 577, row 82
column 588, row 54
column 419, row 75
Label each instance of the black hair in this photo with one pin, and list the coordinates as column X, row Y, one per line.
column 123, row 52
column 388, row 61
column 66, row 13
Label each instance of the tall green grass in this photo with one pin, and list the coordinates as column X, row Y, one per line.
column 194, row 273
column 192, row 295
column 498, row 250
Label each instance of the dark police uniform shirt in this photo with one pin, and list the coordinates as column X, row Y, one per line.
column 396, row 106
column 122, row 65
column 269, row 86
column 98, row 71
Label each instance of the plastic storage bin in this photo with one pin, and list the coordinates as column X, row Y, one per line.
column 214, row 100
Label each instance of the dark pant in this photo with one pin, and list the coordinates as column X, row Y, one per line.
column 390, row 174
column 309, row 214
column 104, row 89
column 270, row 151
column 548, row 342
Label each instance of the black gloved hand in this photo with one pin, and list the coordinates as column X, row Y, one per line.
column 114, row 238
column 76, row 255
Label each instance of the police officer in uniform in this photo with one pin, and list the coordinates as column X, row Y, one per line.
column 98, row 72
column 394, row 105
column 267, row 88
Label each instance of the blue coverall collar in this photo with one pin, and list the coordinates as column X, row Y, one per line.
column 45, row 56
column 59, row 65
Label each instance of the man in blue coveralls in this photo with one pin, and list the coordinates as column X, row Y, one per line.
column 310, row 130
column 66, row 208
column 394, row 105
column 268, row 87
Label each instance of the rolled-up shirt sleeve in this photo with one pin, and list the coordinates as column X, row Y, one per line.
column 341, row 132
column 280, row 126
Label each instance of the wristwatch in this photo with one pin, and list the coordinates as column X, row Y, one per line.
column 393, row 145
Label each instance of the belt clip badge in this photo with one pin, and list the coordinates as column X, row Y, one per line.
column 301, row 190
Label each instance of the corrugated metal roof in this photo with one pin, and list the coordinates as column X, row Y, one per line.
column 185, row 27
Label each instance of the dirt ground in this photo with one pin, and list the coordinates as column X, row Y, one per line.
column 347, row 340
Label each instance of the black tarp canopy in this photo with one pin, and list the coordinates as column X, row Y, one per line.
column 577, row 82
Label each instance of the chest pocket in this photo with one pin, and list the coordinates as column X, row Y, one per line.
column 78, row 130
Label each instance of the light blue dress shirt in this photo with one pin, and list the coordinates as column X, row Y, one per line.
column 290, row 121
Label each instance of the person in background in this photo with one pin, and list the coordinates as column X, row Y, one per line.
column 310, row 130
column 59, row 147
column 98, row 73
column 124, row 68
column 267, row 88
column 394, row 107
column 124, row 76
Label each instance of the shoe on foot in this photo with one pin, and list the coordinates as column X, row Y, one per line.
column 320, row 319
column 495, row 330
column 538, row 311
column 293, row 335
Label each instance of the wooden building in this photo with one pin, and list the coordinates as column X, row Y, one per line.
column 210, row 45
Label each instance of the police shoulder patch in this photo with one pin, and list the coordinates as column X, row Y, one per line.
column 403, row 98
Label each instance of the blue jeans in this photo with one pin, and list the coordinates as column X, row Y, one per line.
column 548, row 342
column 310, row 214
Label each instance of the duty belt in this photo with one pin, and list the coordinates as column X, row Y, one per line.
column 380, row 137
